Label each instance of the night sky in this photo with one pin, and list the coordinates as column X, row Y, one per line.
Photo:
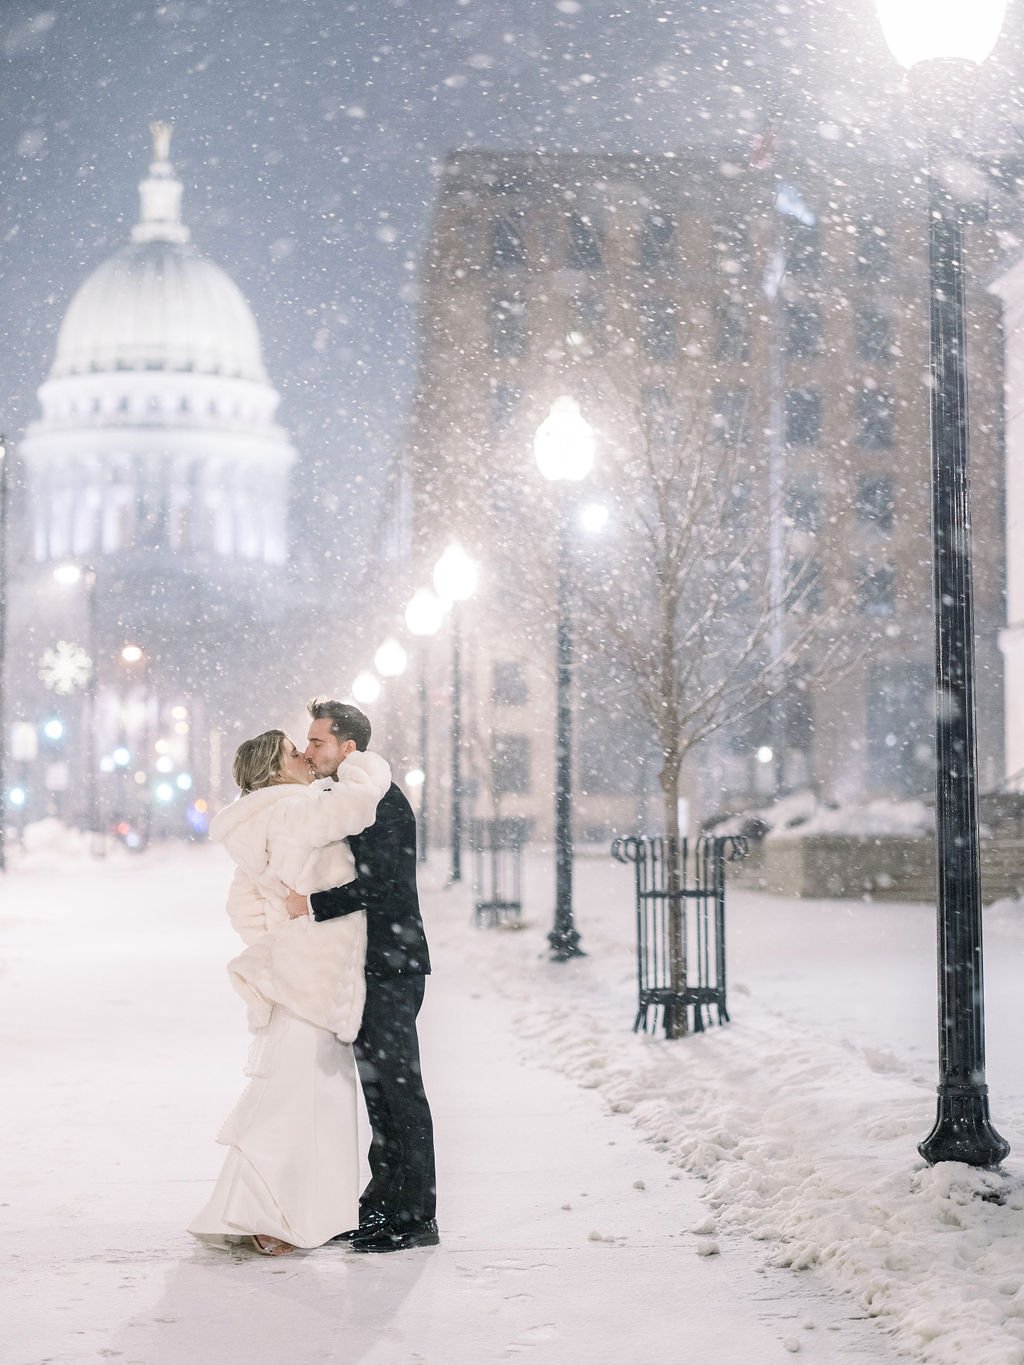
column 309, row 135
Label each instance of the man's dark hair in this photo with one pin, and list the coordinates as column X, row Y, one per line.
column 347, row 722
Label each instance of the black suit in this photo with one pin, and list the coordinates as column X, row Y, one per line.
column 402, row 1183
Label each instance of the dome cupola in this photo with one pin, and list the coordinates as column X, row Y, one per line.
column 157, row 304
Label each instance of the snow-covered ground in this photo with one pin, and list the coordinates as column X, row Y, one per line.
column 571, row 1227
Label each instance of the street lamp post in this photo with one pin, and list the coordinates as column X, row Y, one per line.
column 941, row 45
column 455, row 580
column 86, row 575
column 564, row 449
column 390, row 661
column 423, row 617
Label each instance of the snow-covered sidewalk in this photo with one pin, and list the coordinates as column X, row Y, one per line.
column 804, row 1114
column 568, row 1232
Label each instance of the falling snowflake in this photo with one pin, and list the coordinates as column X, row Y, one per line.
column 64, row 668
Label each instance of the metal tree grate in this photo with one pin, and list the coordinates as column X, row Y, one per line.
column 698, row 888
column 498, row 870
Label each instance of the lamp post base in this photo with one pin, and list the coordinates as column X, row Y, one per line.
column 565, row 944
column 963, row 1130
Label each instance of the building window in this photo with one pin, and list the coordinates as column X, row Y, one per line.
column 900, row 711
column 657, row 243
column 872, row 250
column 658, row 329
column 874, row 502
column 588, row 327
column 509, row 332
column 805, row 585
column 798, row 721
column 510, row 765
column 731, row 331
column 803, row 259
column 508, row 684
column 803, row 507
column 875, row 589
column 508, row 250
column 505, row 399
column 803, row 417
column 583, row 251
column 730, row 409
column 873, row 336
column 802, row 331
column 874, row 420
column 731, row 247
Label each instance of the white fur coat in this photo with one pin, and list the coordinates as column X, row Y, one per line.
column 293, row 837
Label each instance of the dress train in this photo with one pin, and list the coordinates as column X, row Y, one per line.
column 292, row 1168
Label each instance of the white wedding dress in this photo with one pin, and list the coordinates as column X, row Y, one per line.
column 292, row 1170
column 292, row 1167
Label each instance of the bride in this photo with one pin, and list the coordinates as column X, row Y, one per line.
column 291, row 1175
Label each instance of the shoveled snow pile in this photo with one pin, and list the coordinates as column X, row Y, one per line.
column 807, row 1143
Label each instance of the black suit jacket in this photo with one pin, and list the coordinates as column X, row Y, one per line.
column 385, row 887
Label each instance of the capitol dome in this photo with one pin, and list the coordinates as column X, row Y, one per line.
column 158, row 305
column 157, row 433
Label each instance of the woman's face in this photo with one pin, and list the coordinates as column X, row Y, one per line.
column 294, row 765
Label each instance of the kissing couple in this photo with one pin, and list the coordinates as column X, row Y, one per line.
column 333, row 973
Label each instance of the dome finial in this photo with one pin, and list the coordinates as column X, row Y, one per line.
column 161, row 134
column 160, row 194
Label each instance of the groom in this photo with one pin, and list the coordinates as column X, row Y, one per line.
column 397, row 1208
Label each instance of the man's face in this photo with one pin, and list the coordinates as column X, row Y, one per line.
column 325, row 751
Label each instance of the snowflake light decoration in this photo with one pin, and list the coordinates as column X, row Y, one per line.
column 64, row 668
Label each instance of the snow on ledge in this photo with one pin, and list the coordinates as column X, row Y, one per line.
column 801, row 815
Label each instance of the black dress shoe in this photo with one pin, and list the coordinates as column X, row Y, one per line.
column 371, row 1223
column 398, row 1239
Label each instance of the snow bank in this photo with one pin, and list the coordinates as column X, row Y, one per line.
column 50, row 844
column 805, row 1144
column 801, row 814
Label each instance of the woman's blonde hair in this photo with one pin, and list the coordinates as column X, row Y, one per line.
column 259, row 762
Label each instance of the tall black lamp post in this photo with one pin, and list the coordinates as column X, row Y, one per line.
column 423, row 616
column 455, row 580
column 564, row 448
column 941, row 45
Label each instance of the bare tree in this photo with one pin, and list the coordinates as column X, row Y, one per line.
column 712, row 608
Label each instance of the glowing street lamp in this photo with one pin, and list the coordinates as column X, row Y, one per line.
column 564, row 448
column 424, row 613
column 941, row 30
column 366, row 688
column 455, row 575
column 423, row 616
column 391, row 660
column 455, row 581
column 594, row 517
column 941, row 42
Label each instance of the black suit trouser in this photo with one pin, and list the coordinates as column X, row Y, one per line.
column 402, row 1184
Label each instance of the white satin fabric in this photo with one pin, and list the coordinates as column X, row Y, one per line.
column 292, row 1168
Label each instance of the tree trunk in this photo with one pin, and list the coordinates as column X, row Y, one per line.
column 676, row 1021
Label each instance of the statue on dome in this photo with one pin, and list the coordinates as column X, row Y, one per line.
column 161, row 134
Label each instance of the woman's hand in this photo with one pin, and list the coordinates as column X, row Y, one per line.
column 296, row 905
